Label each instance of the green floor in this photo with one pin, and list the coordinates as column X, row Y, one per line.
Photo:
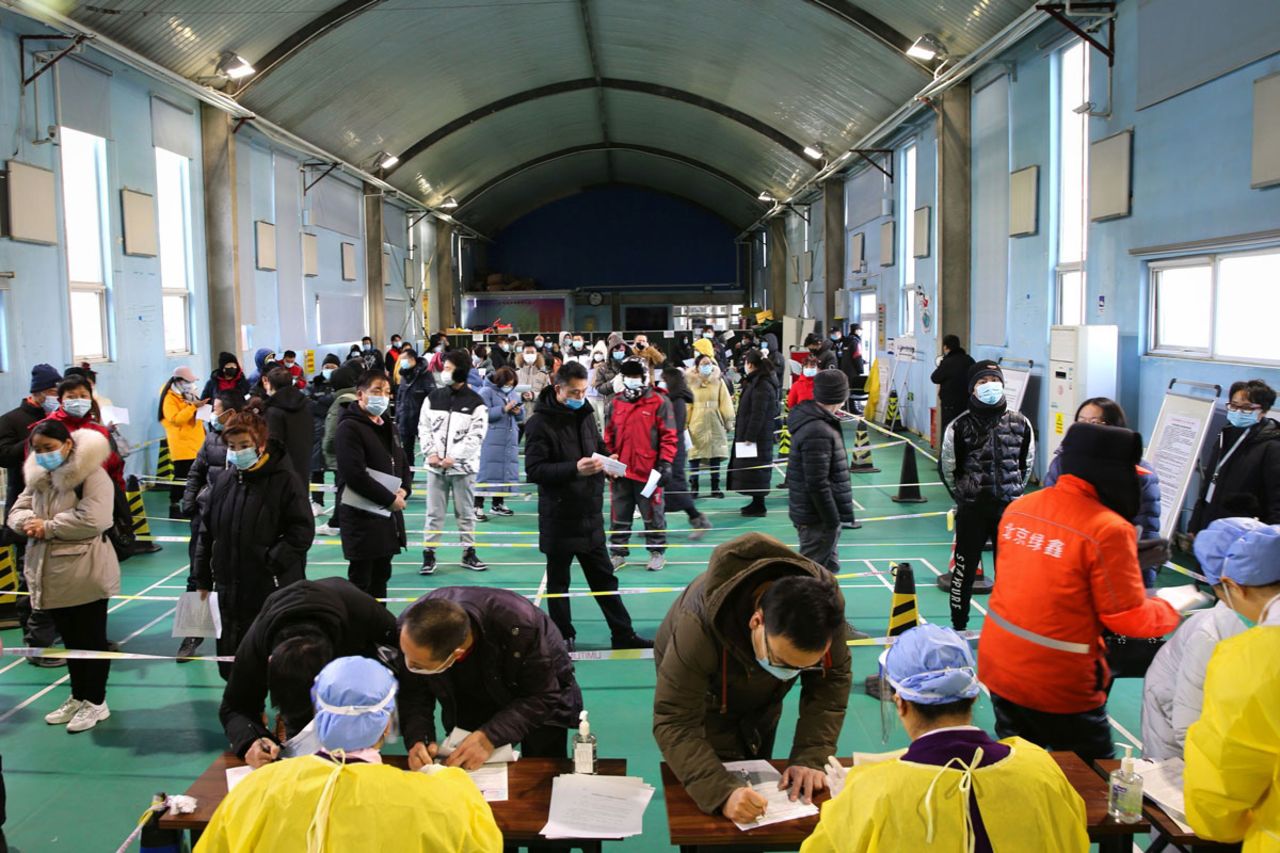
column 164, row 729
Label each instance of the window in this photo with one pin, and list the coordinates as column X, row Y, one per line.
column 1220, row 306
column 173, row 215
column 1073, row 190
column 907, row 242
column 84, row 170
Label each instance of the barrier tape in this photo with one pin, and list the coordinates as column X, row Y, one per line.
column 875, row 426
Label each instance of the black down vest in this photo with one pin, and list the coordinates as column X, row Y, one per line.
column 982, row 456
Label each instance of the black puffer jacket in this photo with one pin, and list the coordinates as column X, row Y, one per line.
column 211, row 457
column 826, row 356
column 353, row 622
column 362, row 446
column 254, row 534
column 952, row 377
column 819, row 491
column 15, row 426
column 988, row 454
column 677, row 486
column 569, row 507
column 414, row 387
column 290, row 423
column 1249, row 484
column 526, row 669
column 320, row 399
column 758, row 408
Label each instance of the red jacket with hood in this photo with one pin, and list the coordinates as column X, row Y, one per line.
column 641, row 431
column 1066, row 568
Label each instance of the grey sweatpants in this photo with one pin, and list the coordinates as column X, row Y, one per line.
column 439, row 487
column 820, row 544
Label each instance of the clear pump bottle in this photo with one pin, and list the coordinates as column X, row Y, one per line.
column 584, row 747
column 1125, row 802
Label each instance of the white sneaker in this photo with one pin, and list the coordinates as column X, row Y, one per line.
column 656, row 562
column 317, row 509
column 326, row 530
column 88, row 716
column 64, row 713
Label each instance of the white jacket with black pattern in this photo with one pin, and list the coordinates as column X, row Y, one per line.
column 453, row 424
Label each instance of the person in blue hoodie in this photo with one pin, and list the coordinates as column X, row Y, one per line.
column 264, row 359
column 1101, row 410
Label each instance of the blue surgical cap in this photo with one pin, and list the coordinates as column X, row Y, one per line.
column 1215, row 541
column 931, row 665
column 354, row 698
column 1254, row 558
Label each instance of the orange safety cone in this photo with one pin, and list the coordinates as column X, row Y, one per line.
column 904, row 614
column 909, row 480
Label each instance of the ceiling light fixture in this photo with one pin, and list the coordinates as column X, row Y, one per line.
column 813, row 152
column 766, row 196
column 449, row 203
column 234, row 66
column 386, row 160
column 928, row 48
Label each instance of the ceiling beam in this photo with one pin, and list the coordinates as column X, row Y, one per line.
column 868, row 23
column 304, row 36
column 584, row 12
column 640, row 86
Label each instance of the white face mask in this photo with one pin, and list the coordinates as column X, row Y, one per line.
column 530, row 357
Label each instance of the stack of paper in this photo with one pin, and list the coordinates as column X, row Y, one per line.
column 1185, row 598
column 588, row 806
column 502, row 755
column 491, row 779
column 612, row 467
column 1162, row 784
column 763, row 778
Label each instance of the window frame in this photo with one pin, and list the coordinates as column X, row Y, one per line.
column 184, row 293
column 103, row 295
column 1213, row 261
column 1062, row 268
column 909, row 167
column 101, row 288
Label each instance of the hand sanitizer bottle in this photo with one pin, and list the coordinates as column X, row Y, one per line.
column 584, row 747
column 1125, row 802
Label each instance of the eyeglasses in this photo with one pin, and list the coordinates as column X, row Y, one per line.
column 1097, row 421
column 419, row 671
column 1243, row 407
column 768, row 654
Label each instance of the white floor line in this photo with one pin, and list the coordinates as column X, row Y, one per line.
column 871, row 564
column 859, row 507
column 542, row 590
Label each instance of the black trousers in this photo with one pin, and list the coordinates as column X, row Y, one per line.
column 317, row 479
column 598, row 570
column 181, row 468
column 85, row 627
column 38, row 630
column 370, row 575
column 975, row 525
column 1088, row 734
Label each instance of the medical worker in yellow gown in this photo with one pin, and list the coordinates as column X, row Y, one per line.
column 1232, row 777
column 955, row 789
column 344, row 798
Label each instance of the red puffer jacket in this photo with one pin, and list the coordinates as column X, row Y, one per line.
column 1066, row 567
column 641, row 431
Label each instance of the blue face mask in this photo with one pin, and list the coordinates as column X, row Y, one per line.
column 782, row 673
column 764, row 348
column 507, row 389
column 377, row 405
column 243, row 459
column 632, row 383
column 50, row 404
column 327, row 373
column 705, row 369
column 990, row 393
column 1243, row 420
column 811, row 371
column 618, row 356
column 77, row 408
column 49, row 461
column 217, row 425
column 574, row 403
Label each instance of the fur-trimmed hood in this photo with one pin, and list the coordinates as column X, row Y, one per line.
column 89, row 450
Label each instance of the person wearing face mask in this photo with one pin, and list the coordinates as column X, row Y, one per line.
column 497, row 667
column 1173, row 689
column 718, row 351
column 955, row 788
column 988, row 454
column 1233, row 750
column 1243, row 474
column 343, row 382
column 607, row 381
column 320, row 398
column 289, row 421
column 227, row 378
column 452, row 428
column 680, row 498
column 500, row 452
column 640, row 432
column 578, row 350
column 952, row 378
column 501, row 356
column 184, row 433
column 599, row 354
column 210, row 463
column 651, row 355
column 289, row 361
column 75, row 398
column 758, row 409
column 15, row 426
column 802, row 385
column 393, row 354
column 369, row 354
column 416, row 382
column 264, row 359
column 1066, row 569
column 532, row 371
column 71, row 569
column 367, row 441
column 711, row 419
column 760, row 619
column 769, row 349
column 254, row 531
column 821, row 350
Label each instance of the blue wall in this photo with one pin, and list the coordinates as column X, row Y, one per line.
column 614, row 237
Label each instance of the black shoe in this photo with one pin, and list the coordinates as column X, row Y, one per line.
column 502, row 509
column 139, row 547
column 571, row 645
column 428, row 563
column 635, row 641
column 851, row 525
column 47, row 663
column 755, row 510
column 855, row 634
column 717, row 493
column 187, row 650
column 472, row 562
column 113, row 646
column 480, row 516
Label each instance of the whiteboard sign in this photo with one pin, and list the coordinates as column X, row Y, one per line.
column 884, row 366
column 1015, row 387
column 1175, row 446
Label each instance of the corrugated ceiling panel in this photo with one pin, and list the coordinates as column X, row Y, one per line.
column 188, row 36
column 510, row 200
column 394, row 73
column 961, row 24
column 788, row 63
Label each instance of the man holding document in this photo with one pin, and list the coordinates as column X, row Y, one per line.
column 741, row 634
column 375, row 480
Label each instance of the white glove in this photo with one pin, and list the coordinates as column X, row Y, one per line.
column 836, row 772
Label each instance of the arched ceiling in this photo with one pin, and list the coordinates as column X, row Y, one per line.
column 507, row 104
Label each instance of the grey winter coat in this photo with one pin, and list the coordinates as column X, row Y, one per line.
column 500, row 452
column 74, row 563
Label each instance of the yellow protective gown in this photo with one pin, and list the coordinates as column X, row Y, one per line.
column 373, row 807
column 872, row 390
column 1025, row 800
column 1232, row 777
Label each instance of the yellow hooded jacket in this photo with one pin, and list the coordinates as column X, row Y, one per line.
column 1025, row 800
column 1232, row 777
column 373, row 807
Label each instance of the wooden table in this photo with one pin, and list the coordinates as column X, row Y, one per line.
column 691, row 829
column 520, row 818
column 1165, row 826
